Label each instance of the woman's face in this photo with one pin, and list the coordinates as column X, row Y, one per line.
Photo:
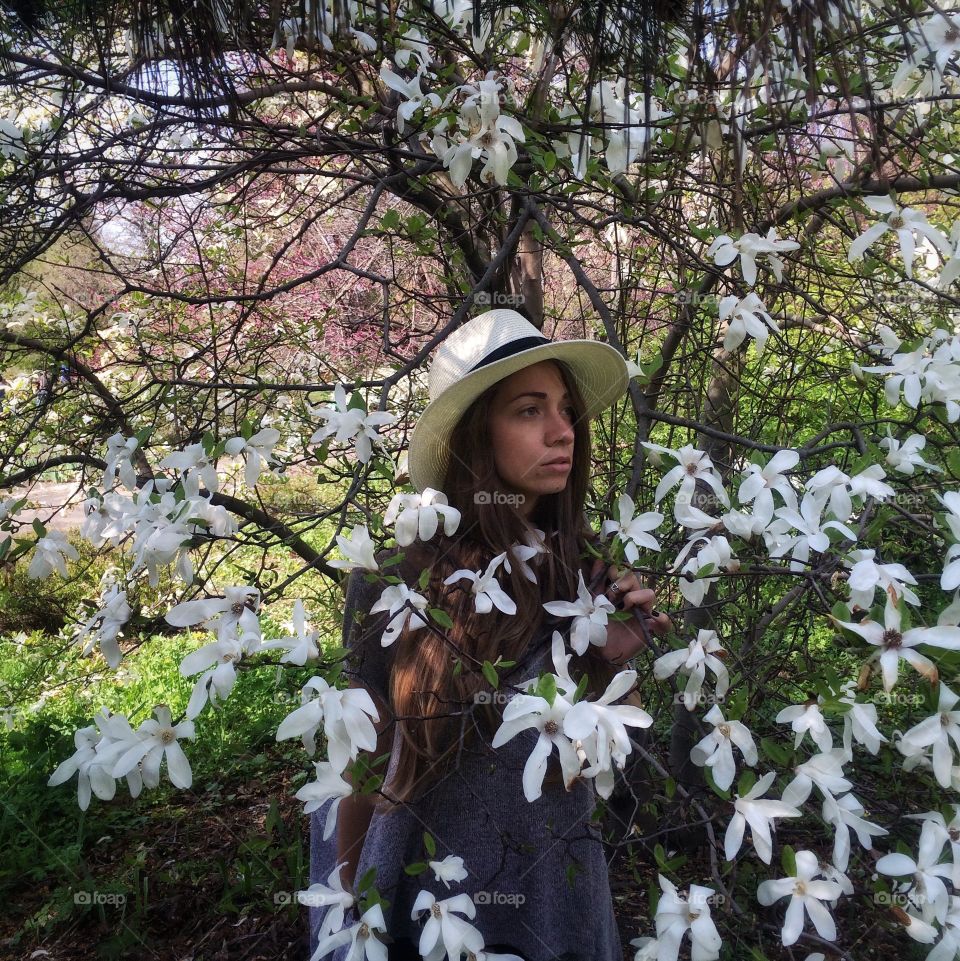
column 531, row 427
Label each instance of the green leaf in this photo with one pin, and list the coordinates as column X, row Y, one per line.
column 390, row 220
column 788, row 861
column 549, row 161
column 424, row 579
column 670, row 787
column 441, row 617
column 38, row 527
column 490, row 673
column 774, row 751
column 430, row 844
column 367, row 880
column 547, row 688
column 581, row 688
column 746, row 781
column 418, row 868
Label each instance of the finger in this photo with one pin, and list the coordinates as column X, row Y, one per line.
column 642, row 597
column 660, row 625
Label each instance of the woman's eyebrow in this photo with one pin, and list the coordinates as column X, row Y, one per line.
column 538, row 394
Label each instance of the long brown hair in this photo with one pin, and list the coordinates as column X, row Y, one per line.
column 437, row 674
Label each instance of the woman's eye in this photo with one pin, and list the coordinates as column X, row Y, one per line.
column 527, row 410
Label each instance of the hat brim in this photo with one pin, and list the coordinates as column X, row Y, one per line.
column 599, row 370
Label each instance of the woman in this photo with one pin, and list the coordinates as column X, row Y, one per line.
column 506, row 438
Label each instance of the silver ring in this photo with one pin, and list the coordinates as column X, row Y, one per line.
column 615, row 587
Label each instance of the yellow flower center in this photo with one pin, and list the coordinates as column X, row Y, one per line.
column 167, row 735
column 550, row 728
column 892, row 638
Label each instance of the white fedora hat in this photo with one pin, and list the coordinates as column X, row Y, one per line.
column 484, row 350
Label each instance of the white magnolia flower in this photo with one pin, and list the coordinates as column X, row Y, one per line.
column 217, row 660
column 50, row 554
column 952, row 830
column 928, row 890
column 601, row 727
column 106, row 624
column 633, row 531
column 810, row 532
column 331, row 896
column 893, row 644
column 905, row 222
column 347, row 716
column 257, row 452
column 823, row 770
column 904, row 457
column 951, row 269
column 359, row 550
column 156, row 740
column 362, row 938
column 301, row 646
column 351, row 424
column 748, row 247
column 693, row 660
column 486, row 588
column 692, row 465
column 833, row 486
column 704, row 569
column 934, row 40
column 527, row 711
column 449, row 869
column 807, row 719
column 590, row 617
column 716, row 749
column 405, row 606
column 329, row 785
column 759, row 813
column 806, row 894
column 677, row 914
column 444, row 932
column 759, row 483
column 92, row 775
column 418, row 515
column 520, row 554
column 194, row 459
column 936, row 732
column 866, row 575
column 238, row 606
column 860, row 723
column 845, row 814
column 119, row 451
column 482, row 132
column 411, row 91
column 746, row 317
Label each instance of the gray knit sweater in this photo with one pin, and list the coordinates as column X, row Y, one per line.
column 536, row 871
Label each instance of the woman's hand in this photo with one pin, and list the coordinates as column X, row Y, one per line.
column 626, row 638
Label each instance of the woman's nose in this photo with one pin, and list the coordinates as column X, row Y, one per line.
column 560, row 429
